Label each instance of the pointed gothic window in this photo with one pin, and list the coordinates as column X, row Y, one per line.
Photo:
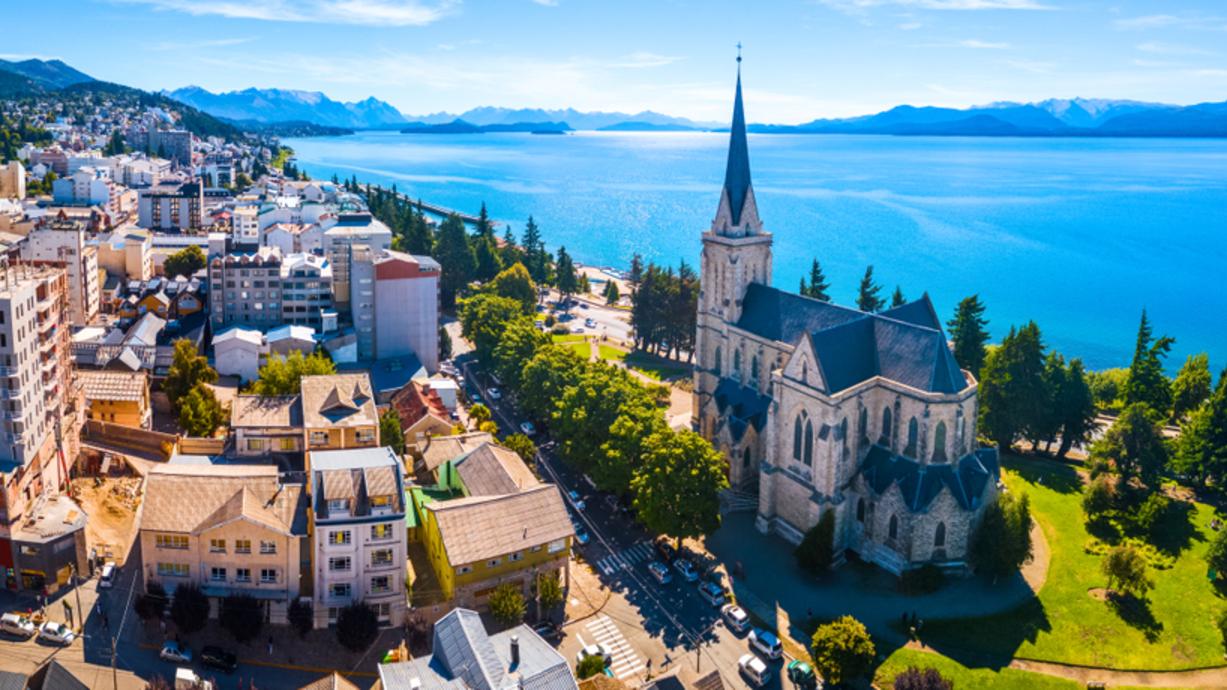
column 754, row 370
column 913, row 437
column 745, row 457
column 939, row 443
column 804, row 372
column 737, row 361
column 886, row 427
column 796, row 438
column 716, row 364
column 860, row 510
column 939, row 538
column 894, row 527
column 862, row 426
column 809, row 443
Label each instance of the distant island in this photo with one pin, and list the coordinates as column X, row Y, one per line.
column 462, row 127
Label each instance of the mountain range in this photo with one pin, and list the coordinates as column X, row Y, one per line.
column 47, row 73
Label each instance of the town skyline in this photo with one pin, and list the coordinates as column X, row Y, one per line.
column 827, row 59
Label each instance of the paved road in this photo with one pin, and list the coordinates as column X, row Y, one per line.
column 650, row 628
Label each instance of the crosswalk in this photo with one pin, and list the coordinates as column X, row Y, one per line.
column 625, row 661
column 625, row 558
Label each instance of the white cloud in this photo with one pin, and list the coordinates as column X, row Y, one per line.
column 1157, row 48
column 860, row 5
column 1159, row 21
column 365, row 12
column 983, row 45
column 1147, row 22
column 546, row 3
column 199, row 45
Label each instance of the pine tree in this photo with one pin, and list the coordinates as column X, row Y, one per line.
column 868, row 296
column 1147, row 383
column 535, row 259
column 567, row 281
column 1012, row 396
column 636, row 272
column 455, row 256
column 968, row 334
column 818, row 286
column 897, row 299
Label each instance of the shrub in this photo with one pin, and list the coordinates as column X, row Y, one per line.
column 507, row 604
column 549, row 591
column 1126, row 571
column 1099, row 497
column 301, row 616
column 916, row 679
column 817, row 550
column 1151, row 513
column 842, row 650
column 242, row 616
column 152, row 603
column 357, row 626
column 923, row 580
column 590, row 666
column 189, row 608
column 1216, row 555
column 1221, row 624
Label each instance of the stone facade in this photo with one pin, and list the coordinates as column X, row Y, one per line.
column 819, row 407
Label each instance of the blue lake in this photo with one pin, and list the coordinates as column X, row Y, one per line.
column 1076, row 234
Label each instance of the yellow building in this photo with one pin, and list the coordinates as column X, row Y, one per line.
column 338, row 412
column 503, row 526
column 119, row 397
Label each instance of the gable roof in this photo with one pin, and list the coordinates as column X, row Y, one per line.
column 440, row 449
column 461, row 643
column 248, row 411
column 244, row 504
column 114, row 385
column 491, row 469
column 338, row 400
column 920, row 483
column 479, row 528
column 332, row 681
column 186, row 498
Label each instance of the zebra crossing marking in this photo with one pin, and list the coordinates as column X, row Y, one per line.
column 625, row 661
column 624, row 559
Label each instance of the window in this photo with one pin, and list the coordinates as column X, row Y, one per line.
column 737, row 362
column 939, row 537
column 339, row 590
column 796, row 437
column 365, row 435
column 862, row 426
column 517, row 556
column 287, row 444
column 464, row 569
column 860, row 510
column 173, row 569
column 746, row 458
column 171, row 541
column 381, row 532
column 242, row 546
column 381, row 557
column 716, row 364
column 339, row 537
column 754, row 370
column 217, row 574
column 217, row 546
column 913, row 432
column 887, row 428
column 268, row 547
column 319, row 438
column 381, row 501
column 242, row 574
column 939, row 443
column 380, row 585
column 256, row 444
column 268, row 576
column 340, row 563
column 338, row 505
column 809, row 443
column 893, row 531
column 493, row 562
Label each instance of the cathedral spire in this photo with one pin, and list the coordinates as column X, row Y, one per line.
column 737, row 174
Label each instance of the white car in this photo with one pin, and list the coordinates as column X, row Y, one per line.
column 528, row 428
column 172, row 652
column 660, row 571
column 736, row 617
column 56, row 632
column 16, row 624
column 595, row 650
column 754, row 670
column 107, row 579
column 687, row 570
column 494, row 393
column 766, row 643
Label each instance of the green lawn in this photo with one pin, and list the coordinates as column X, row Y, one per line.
column 1066, row 624
column 611, row 353
column 569, row 338
column 654, row 367
column 969, row 678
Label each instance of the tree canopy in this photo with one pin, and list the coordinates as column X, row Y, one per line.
column 1134, row 443
column 842, row 650
column 187, row 369
column 817, row 287
column 1012, row 396
column 677, row 490
column 1147, row 383
column 868, row 296
column 969, row 335
column 455, row 257
column 514, row 282
column 1191, row 387
column 200, row 413
column 282, row 375
column 184, row 262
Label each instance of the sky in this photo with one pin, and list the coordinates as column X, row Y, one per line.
column 803, row 59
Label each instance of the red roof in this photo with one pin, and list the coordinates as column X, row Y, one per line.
column 416, row 400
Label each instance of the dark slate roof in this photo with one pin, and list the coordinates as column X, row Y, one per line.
column 920, row 484
column 13, row 681
column 741, row 406
column 905, row 345
column 56, row 677
column 461, row 644
column 737, row 174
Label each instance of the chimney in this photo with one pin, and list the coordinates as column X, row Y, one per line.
column 515, row 652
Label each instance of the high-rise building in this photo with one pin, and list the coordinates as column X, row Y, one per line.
column 395, row 304
column 245, row 289
column 172, row 207
column 12, row 180
column 350, row 231
column 65, row 243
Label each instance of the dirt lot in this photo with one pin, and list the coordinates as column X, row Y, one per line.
column 111, row 506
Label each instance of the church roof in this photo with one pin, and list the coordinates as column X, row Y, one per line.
column 741, row 406
column 905, row 344
column 920, row 484
column 737, row 173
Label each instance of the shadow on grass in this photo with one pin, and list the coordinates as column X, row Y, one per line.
column 1175, row 531
column 988, row 642
column 1136, row 613
column 1057, row 476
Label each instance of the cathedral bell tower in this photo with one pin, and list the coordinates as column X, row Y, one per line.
column 736, row 253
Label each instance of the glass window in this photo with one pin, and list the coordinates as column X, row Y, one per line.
column 242, row 546
column 340, row 563
column 380, row 584
column 939, row 442
column 381, row 557
column 340, row 589
column 383, row 531
column 242, row 574
column 268, row 576
column 173, row 569
column 217, row 574
column 319, row 438
column 268, row 547
column 217, row 546
column 339, row 537
column 255, row 444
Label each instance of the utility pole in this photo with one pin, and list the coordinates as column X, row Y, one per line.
column 114, row 671
column 76, row 589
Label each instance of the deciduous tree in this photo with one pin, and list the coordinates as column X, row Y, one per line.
column 515, row 283
column 519, row 343
column 242, row 616
column 200, row 413
column 1001, row 543
column 1192, row 386
column 545, row 377
column 390, row 432
column 282, row 375
column 816, row 551
column 483, row 318
column 677, row 490
column 523, row 446
column 843, row 650
column 1126, row 571
column 189, row 608
column 507, row 604
column 184, row 262
column 357, row 626
column 1134, row 443
column 187, row 369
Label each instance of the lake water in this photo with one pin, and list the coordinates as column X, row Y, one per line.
column 1077, row 234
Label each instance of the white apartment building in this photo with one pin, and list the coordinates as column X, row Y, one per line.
column 306, row 292
column 350, row 231
column 87, row 186
column 358, row 535
column 395, row 305
column 12, row 180
column 66, row 242
column 245, row 225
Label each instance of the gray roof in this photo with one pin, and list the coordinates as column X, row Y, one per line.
column 737, row 173
column 920, row 484
column 742, row 406
column 56, row 677
column 541, row 666
column 905, row 345
column 13, row 681
column 463, row 647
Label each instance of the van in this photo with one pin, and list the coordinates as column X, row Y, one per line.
column 754, row 670
column 16, row 624
column 107, row 580
column 186, row 679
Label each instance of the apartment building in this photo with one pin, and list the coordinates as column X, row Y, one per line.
column 118, row 397
column 12, row 180
column 231, row 529
column 306, row 292
column 350, row 231
column 88, row 186
column 338, row 412
column 172, row 207
column 67, row 243
column 245, row 226
column 358, row 537
column 245, row 289
column 127, row 254
column 395, row 304
column 40, row 404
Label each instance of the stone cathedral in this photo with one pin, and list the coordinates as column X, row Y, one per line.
column 825, row 408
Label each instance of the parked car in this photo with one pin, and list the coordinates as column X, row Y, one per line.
column 494, row 393
column 581, row 534
column 664, row 549
column 802, row 675
column 660, row 571
column 475, row 399
column 577, row 330
column 590, row 323
column 56, row 632
column 107, row 579
column 528, row 429
column 686, row 569
column 736, row 617
column 595, row 650
column 754, row 670
column 576, row 500
column 172, row 651
column 219, row 658
column 713, row 593
column 16, row 624
column 186, row 679
column 766, row 643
